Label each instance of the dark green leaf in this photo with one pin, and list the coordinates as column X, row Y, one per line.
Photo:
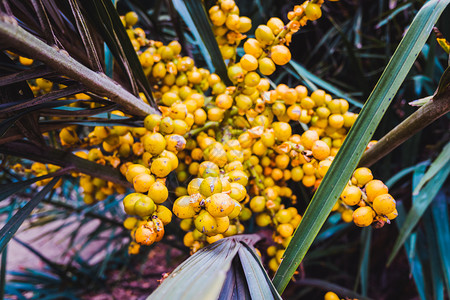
column 195, row 16
column 10, row 228
column 421, row 203
column 355, row 143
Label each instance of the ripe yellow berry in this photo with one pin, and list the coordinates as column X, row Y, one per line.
column 25, row 61
column 320, row 150
column 264, row 34
column 258, row 204
column 249, row 62
column 134, row 170
column 308, row 139
column 283, row 216
column 236, row 73
column 297, row 174
column 144, row 206
column 331, row 296
column 142, row 182
column 182, row 208
column 164, row 214
column 363, row 216
column 351, row 195
column 205, row 223
column 224, row 101
column 313, row 11
column 275, row 24
column 219, row 205
column 384, row 204
column 161, row 167
column 146, row 234
column 375, row 188
column 253, row 47
column 266, row 66
column 263, row 220
column 131, row 18
column 280, row 54
column 285, row 230
column 158, row 192
column 282, row 130
column 361, row 176
column 210, row 186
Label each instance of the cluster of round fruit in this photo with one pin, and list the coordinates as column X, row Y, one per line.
column 228, row 27
column 39, row 169
column 268, row 48
column 234, row 152
column 375, row 204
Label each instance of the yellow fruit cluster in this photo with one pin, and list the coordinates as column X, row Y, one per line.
column 234, row 149
column 228, row 27
column 375, row 204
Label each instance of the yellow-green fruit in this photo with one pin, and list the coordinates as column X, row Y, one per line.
column 152, row 121
column 164, row 214
column 236, row 210
column 158, row 192
column 131, row 18
column 245, row 214
column 266, row 66
column 238, row 191
column 155, row 143
column 186, row 224
column 144, row 206
column 161, row 167
column 384, row 204
column 129, row 201
column 283, row 216
column 205, row 223
column 222, row 224
column 363, row 216
column 249, row 62
column 361, row 176
column 194, row 186
column 210, row 186
column 263, row 220
column 258, row 204
column 238, row 177
column 219, row 205
column 134, row 170
column 264, row 34
column 313, row 11
column 130, row 223
column 182, row 208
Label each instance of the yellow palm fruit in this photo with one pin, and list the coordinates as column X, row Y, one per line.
column 351, row 195
column 215, row 114
column 236, row 73
column 264, row 34
column 154, row 143
column 142, row 182
column 384, row 204
column 331, row 295
column 308, row 139
column 320, row 150
column 266, row 66
column 161, row 167
column 375, row 188
column 144, row 206
column 282, row 130
column 280, row 54
column 224, row 101
column 363, row 216
column 158, row 192
column 361, row 176
column 182, row 208
column 245, row 24
column 249, row 62
column 205, row 223
column 25, row 61
column 285, row 230
column 276, row 25
column 68, row 136
column 219, row 205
